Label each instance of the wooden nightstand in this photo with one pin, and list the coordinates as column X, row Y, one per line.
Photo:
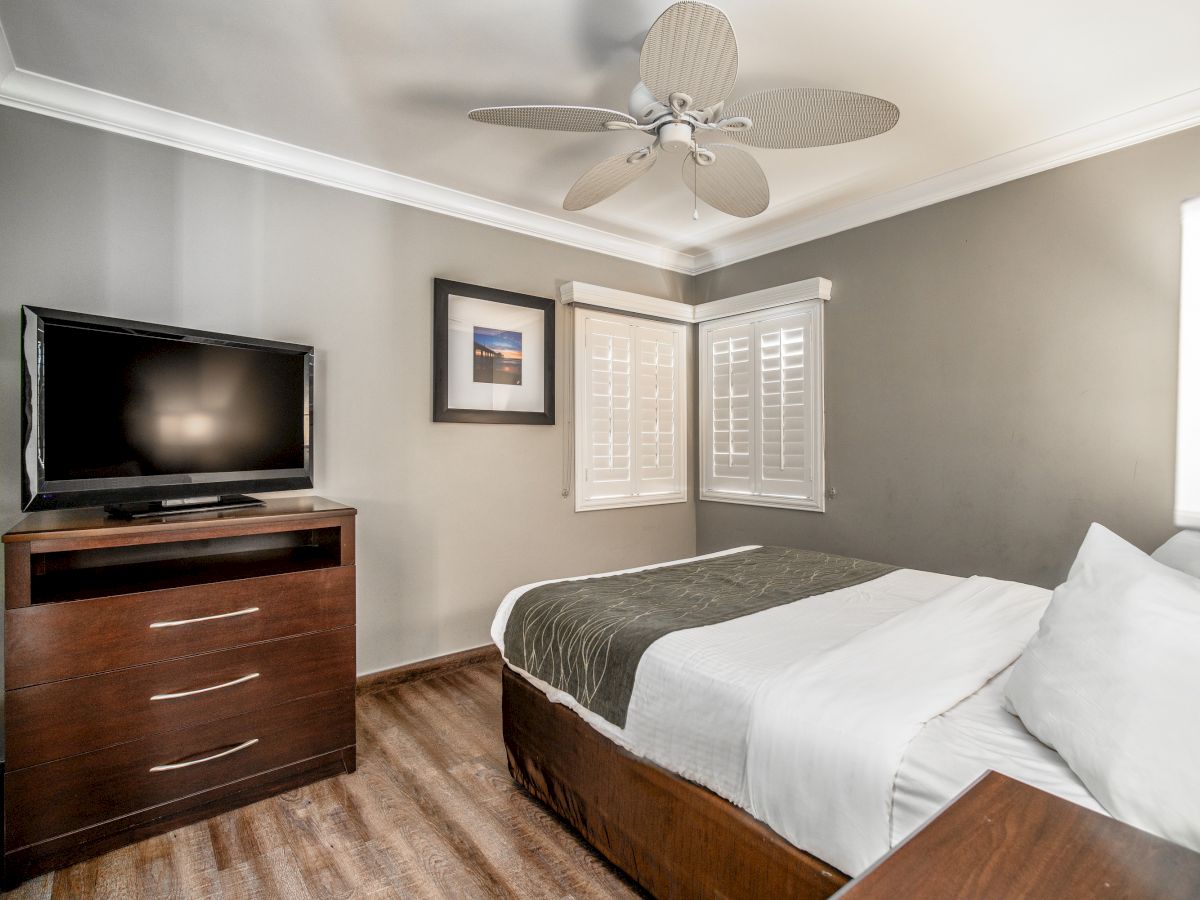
column 1002, row 838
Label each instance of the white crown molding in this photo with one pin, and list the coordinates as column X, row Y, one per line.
column 85, row 106
column 626, row 301
column 1143, row 124
column 75, row 103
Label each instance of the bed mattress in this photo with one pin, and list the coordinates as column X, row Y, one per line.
column 694, row 693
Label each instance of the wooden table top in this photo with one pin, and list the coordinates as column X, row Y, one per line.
column 1002, row 838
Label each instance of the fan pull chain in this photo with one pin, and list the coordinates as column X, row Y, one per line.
column 695, row 184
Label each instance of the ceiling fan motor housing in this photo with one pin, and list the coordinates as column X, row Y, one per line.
column 675, row 136
column 643, row 105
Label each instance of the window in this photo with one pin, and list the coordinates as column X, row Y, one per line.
column 761, row 408
column 630, row 419
column 1187, row 456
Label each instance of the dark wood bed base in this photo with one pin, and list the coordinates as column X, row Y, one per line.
column 671, row 836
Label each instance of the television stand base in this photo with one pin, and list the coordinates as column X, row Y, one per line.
column 158, row 508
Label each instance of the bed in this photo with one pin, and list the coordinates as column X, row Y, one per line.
column 881, row 686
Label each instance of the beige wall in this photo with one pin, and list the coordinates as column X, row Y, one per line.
column 451, row 516
column 1000, row 371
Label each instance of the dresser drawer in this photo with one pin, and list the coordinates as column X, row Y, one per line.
column 52, row 799
column 64, row 718
column 51, row 641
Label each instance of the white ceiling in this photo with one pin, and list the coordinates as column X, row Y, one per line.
column 986, row 91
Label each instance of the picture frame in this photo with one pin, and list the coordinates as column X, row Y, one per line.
column 493, row 355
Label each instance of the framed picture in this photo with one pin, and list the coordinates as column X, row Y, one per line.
column 493, row 356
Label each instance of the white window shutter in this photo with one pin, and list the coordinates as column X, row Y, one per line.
column 658, row 437
column 730, row 351
column 608, row 409
column 761, row 408
column 631, row 431
column 786, row 407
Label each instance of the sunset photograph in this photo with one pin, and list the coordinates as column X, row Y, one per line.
column 497, row 356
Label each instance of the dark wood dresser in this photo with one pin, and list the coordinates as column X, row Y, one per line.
column 161, row 671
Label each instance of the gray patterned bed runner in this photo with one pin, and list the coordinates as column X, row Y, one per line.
column 587, row 637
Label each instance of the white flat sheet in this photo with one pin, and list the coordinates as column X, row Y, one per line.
column 691, row 702
column 828, row 734
column 957, row 747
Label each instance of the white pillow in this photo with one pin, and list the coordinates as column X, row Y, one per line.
column 1181, row 552
column 1112, row 682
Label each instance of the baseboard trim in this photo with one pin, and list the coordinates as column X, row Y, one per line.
column 375, row 682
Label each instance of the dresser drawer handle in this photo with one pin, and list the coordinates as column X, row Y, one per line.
column 170, row 767
column 205, row 690
column 228, row 615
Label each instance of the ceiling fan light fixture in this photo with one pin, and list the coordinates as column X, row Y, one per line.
column 688, row 65
column 675, row 136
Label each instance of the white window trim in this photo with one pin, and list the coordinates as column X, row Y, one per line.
column 817, row 502
column 580, row 292
column 582, row 438
column 1187, row 456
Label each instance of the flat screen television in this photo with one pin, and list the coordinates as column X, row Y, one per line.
column 151, row 419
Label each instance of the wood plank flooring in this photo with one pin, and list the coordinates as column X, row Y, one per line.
column 431, row 812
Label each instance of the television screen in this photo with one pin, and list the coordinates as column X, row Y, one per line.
column 122, row 411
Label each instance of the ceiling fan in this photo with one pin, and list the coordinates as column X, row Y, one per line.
column 688, row 66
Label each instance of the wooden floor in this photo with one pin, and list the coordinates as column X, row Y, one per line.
column 431, row 812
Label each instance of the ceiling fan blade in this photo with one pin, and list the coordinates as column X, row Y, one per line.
column 733, row 182
column 551, row 118
column 791, row 118
column 608, row 176
column 690, row 49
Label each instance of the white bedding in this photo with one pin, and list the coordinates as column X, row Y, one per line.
column 954, row 749
column 690, row 710
column 828, row 734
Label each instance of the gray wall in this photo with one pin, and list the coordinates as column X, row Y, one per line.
column 451, row 516
column 1000, row 371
